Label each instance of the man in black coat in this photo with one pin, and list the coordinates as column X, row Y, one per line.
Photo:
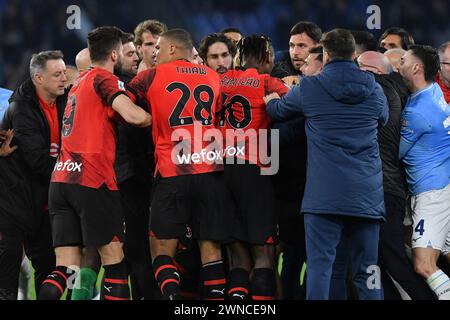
column 14, row 191
column 289, row 182
column 392, row 256
column 134, row 166
column 35, row 113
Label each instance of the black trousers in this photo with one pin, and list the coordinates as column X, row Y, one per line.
column 38, row 249
column 292, row 237
column 11, row 250
column 393, row 259
column 136, row 202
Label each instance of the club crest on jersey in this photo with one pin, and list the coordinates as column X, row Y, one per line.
column 121, row 85
column 447, row 123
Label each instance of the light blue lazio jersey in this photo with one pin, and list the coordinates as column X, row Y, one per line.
column 4, row 96
column 425, row 140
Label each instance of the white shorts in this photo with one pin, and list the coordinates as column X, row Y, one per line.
column 431, row 220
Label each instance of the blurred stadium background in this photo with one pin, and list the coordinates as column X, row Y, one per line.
column 28, row 26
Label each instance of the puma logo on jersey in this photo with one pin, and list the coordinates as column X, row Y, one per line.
column 108, row 288
column 68, row 165
column 240, row 296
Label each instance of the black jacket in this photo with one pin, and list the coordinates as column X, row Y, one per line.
column 134, row 153
column 289, row 182
column 32, row 136
column 16, row 196
column 394, row 181
column 134, row 149
column 284, row 67
column 399, row 86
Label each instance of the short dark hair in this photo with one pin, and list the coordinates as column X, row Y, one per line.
column 365, row 40
column 153, row 26
column 430, row 59
column 317, row 50
column 181, row 37
column 103, row 40
column 231, row 29
column 310, row 28
column 339, row 44
column 39, row 60
column 406, row 38
column 127, row 37
column 256, row 46
column 210, row 39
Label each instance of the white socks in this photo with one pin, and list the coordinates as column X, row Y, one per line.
column 440, row 284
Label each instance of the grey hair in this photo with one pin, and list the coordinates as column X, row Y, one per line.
column 39, row 60
column 442, row 48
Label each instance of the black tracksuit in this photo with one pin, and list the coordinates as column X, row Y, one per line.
column 393, row 259
column 289, row 185
column 134, row 167
column 24, row 220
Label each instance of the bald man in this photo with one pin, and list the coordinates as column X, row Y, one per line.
column 71, row 74
column 378, row 63
column 375, row 62
column 83, row 60
column 391, row 248
column 394, row 56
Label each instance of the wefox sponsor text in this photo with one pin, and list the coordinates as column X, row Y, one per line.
column 68, row 165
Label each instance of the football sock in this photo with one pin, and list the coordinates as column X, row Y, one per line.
column 188, row 283
column 262, row 284
column 214, row 282
column 84, row 284
column 24, row 279
column 238, row 283
column 115, row 284
column 167, row 276
column 55, row 284
column 440, row 284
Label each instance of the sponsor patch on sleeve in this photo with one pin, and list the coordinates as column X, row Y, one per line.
column 121, row 85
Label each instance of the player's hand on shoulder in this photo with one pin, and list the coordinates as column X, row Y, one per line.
column 5, row 140
column 271, row 97
column 291, row 80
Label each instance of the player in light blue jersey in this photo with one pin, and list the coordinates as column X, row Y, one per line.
column 425, row 150
column 4, row 96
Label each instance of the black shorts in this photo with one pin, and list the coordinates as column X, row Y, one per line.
column 200, row 201
column 85, row 216
column 254, row 199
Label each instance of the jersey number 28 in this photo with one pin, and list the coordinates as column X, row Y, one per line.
column 205, row 118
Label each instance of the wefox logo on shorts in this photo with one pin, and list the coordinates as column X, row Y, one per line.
column 68, row 165
column 209, row 146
